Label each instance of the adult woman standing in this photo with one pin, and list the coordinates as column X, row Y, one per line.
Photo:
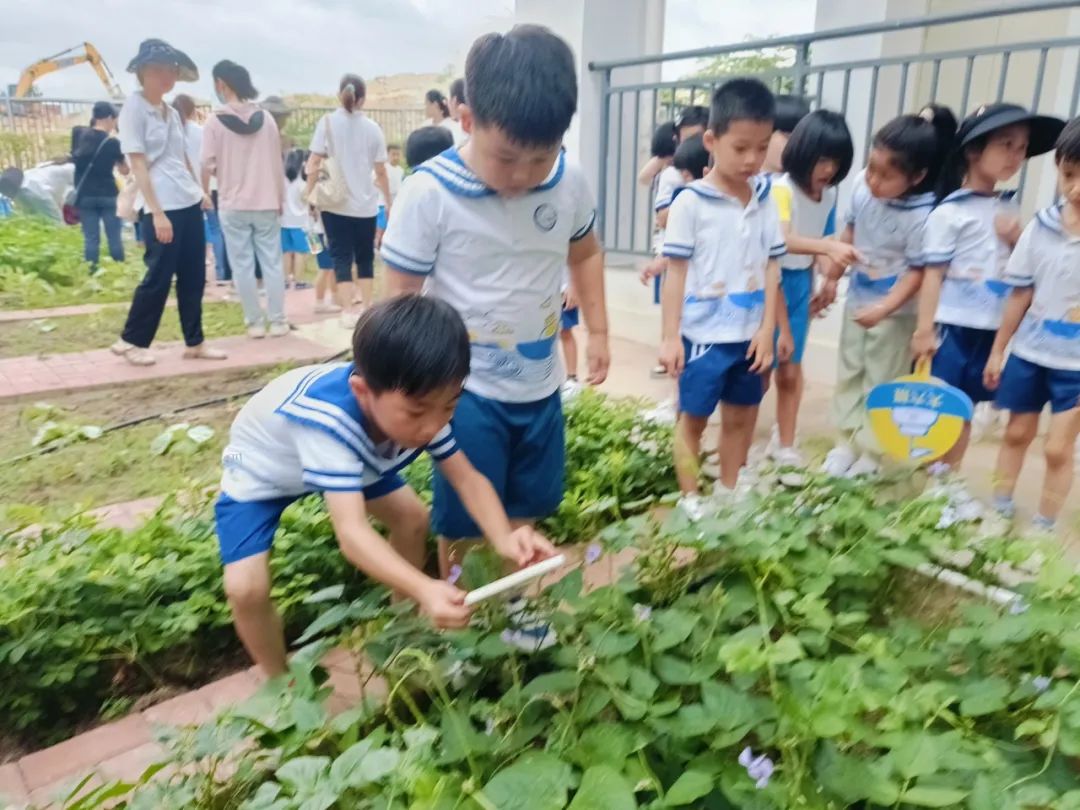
column 169, row 203
column 436, row 108
column 242, row 148
column 357, row 144
column 97, row 154
column 185, row 105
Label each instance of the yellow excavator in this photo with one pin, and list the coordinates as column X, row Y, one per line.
column 84, row 52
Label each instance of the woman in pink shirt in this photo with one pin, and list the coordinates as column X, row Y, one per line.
column 242, row 148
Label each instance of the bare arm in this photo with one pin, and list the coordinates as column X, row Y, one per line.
column 382, row 183
column 671, row 305
column 1015, row 309
column 313, row 165
column 140, row 169
column 761, row 345
column 653, row 166
column 585, row 261
column 922, row 342
column 400, row 283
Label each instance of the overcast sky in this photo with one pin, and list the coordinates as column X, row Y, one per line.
column 304, row 45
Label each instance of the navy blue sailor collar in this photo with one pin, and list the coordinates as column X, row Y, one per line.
column 760, row 184
column 1050, row 218
column 450, row 170
column 968, row 193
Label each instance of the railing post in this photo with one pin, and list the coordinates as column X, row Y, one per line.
column 602, row 154
column 802, row 62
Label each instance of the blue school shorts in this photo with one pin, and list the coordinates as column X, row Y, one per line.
column 294, row 240
column 797, row 287
column 715, row 373
column 246, row 528
column 570, row 318
column 380, row 218
column 519, row 447
column 1026, row 387
column 323, row 259
column 961, row 357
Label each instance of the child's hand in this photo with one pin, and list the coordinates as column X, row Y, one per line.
column 871, row 316
column 652, row 270
column 843, row 254
column 785, row 344
column 923, row 344
column 569, row 300
column 598, row 357
column 1007, row 227
column 443, row 604
column 524, row 546
column 672, row 357
column 760, row 352
column 823, row 298
column 992, row 372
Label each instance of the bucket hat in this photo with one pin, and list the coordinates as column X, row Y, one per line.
column 989, row 117
column 160, row 52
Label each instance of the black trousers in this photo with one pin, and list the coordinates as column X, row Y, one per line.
column 351, row 239
column 185, row 258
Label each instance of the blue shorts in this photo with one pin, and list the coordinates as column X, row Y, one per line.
column 246, row 528
column 294, row 240
column 797, row 287
column 1026, row 387
column 961, row 357
column 715, row 373
column 380, row 218
column 570, row 318
column 323, row 258
column 519, row 447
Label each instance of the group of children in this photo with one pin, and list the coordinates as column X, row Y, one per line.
column 940, row 273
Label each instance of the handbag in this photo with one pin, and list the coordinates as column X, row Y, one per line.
column 329, row 190
column 69, row 211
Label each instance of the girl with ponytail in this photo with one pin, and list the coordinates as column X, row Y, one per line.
column 969, row 237
column 436, row 107
column 890, row 202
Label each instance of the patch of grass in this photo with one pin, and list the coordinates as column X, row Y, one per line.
column 80, row 332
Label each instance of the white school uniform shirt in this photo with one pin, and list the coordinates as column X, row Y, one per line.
column 305, row 432
column 1047, row 257
column 294, row 211
column 157, row 133
column 728, row 246
column 668, row 183
column 889, row 234
column 498, row 261
column 960, row 234
column 358, row 144
column 394, row 177
column 810, row 218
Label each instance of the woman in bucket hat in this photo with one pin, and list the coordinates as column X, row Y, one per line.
column 969, row 238
column 169, row 205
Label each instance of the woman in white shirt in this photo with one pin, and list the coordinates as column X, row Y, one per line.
column 169, row 202
column 193, row 134
column 359, row 147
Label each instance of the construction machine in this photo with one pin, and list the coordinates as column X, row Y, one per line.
column 84, row 52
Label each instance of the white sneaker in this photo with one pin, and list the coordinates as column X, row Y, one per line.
column 326, row 308
column 864, row 465
column 986, row 422
column 256, row 331
column 790, row 462
column 658, row 372
column 773, row 444
column 122, row 347
column 279, row 329
column 838, row 461
column 570, row 389
column 694, row 507
column 663, row 414
column 140, row 357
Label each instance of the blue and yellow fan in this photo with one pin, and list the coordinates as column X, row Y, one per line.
column 918, row 418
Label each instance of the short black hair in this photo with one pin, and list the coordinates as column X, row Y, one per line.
column 523, row 82
column 457, row 90
column 693, row 116
column 1067, row 147
column 920, row 143
column 663, row 140
column 693, row 157
column 740, row 100
column 790, row 110
column 425, row 143
column 294, row 164
column 414, row 344
column 821, row 135
column 237, row 77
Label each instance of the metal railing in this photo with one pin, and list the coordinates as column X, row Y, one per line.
column 933, row 65
column 33, row 130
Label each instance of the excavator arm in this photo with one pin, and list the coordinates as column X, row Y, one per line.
column 72, row 56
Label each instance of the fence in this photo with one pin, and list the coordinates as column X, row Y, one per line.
column 937, row 58
column 37, row 129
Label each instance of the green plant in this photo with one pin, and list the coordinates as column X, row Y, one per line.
column 53, row 430
column 788, row 661
column 181, row 438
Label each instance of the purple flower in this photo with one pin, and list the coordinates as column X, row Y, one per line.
column 455, row 574
column 760, row 769
column 1017, row 607
column 642, row 613
column 1041, row 683
column 592, row 553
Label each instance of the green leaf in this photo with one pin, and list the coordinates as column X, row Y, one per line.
column 671, row 627
column 642, row 682
column 933, row 796
column 535, row 781
column 677, row 671
column 630, row 706
column 160, row 445
column 604, row 743
column 302, row 774
column 916, row 755
column 688, row 788
column 329, row 594
column 786, row 649
column 556, row 683
column 91, row 432
column 986, row 696
column 200, row 434
column 333, row 618
column 607, row 643
column 604, row 788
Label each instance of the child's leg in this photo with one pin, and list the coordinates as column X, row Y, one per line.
column 1060, row 447
column 736, row 432
column 570, row 352
column 789, row 391
column 1019, row 433
column 887, row 356
column 849, row 395
column 406, row 518
column 247, row 587
column 688, row 432
column 955, row 457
